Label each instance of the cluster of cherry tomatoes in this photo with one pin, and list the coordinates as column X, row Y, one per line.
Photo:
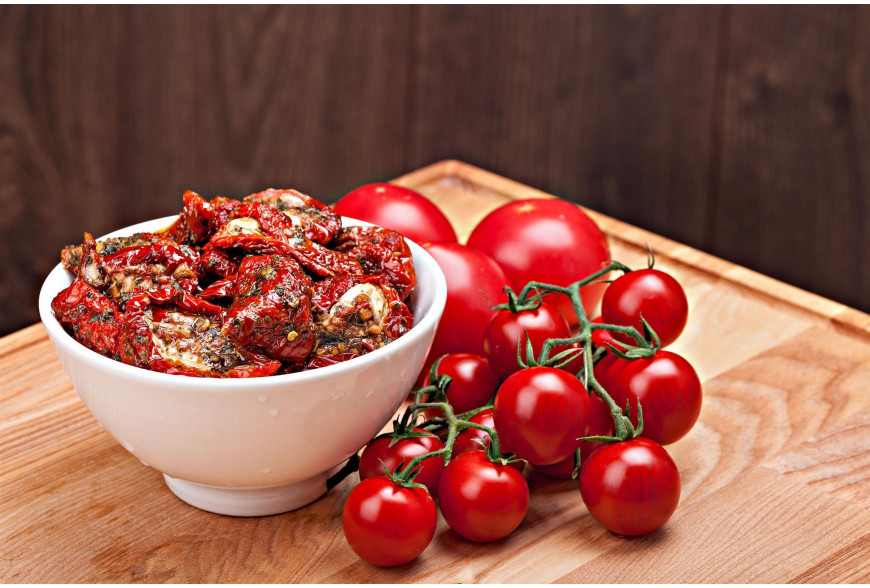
column 589, row 398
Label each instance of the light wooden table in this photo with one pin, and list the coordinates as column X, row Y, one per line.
column 776, row 475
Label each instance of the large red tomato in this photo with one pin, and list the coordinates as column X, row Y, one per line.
column 399, row 209
column 474, row 282
column 549, row 241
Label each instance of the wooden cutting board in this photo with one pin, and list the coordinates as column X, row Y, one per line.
column 776, row 475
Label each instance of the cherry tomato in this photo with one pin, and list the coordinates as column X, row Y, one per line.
column 600, row 337
column 540, row 413
column 481, row 500
column 466, row 440
column 632, row 487
column 505, row 330
column 667, row 387
column 400, row 209
column 386, row 524
column 472, row 385
column 549, row 241
column 651, row 293
column 379, row 450
column 474, row 282
column 600, row 423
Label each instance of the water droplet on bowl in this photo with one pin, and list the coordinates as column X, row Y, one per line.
column 274, row 411
column 267, row 470
column 262, row 397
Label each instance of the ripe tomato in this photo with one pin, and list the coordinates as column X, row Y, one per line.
column 379, row 450
column 481, row 500
column 651, row 293
column 540, row 413
column 600, row 423
column 600, row 337
column 474, row 282
column 505, row 330
column 667, row 387
column 386, row 524
column 472, row 385
column 632, row 487
column 549, row 241
column 465, row 441
column 399, row 209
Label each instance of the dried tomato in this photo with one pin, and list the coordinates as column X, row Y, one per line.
column 93, row 319
column 380, row 251
column 272, row 308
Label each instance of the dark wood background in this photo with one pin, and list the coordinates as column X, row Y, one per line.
column 743, row 131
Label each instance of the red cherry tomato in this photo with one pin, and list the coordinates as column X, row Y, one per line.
column 481, row 500
column 601, row 424
column 386, row 524
column 472, row 385
column 540, row 413
column 506, row 328
column 600, row 337
column 651, row 293
column 467, row 439
column 632, row 487
column 667, row 387
column 474, row 282
column 379, row 450
column 549, row 241
column 399, row 209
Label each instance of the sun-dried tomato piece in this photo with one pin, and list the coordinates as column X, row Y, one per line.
column 199, row 218
column 356, row 315
column 225, row 288
column 182, row 343
column 271, row 310
column 261, row 229
column 93, row 319
column 216, row 261
column 380, row 251
column 318, row 222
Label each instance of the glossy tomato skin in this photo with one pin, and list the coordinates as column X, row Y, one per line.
column 600, row 424
column 472, row 383
column 474, row 281
column 481, row 500
column 651, row 293
column 505, row 330
column 388, row 525
column 399, row 209
column 600, row 337
column 540, row 413
column 667, row 387
column 401, row 453
column 549, row 241
column 467, row 439
column 632, row 487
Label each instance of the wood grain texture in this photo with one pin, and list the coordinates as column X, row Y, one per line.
column 776, row 483
column 740, row 131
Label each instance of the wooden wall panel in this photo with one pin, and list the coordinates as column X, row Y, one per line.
column 742, row 131
column 794, row 191
column 609, row 106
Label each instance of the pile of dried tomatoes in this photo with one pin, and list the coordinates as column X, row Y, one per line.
column 269, row 284
column 521, row 375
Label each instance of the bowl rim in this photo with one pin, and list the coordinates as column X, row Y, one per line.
column 64, row 340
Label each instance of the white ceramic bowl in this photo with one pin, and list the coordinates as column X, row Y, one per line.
column 258, row 446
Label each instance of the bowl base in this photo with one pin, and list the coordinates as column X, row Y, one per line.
column 249, row 502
